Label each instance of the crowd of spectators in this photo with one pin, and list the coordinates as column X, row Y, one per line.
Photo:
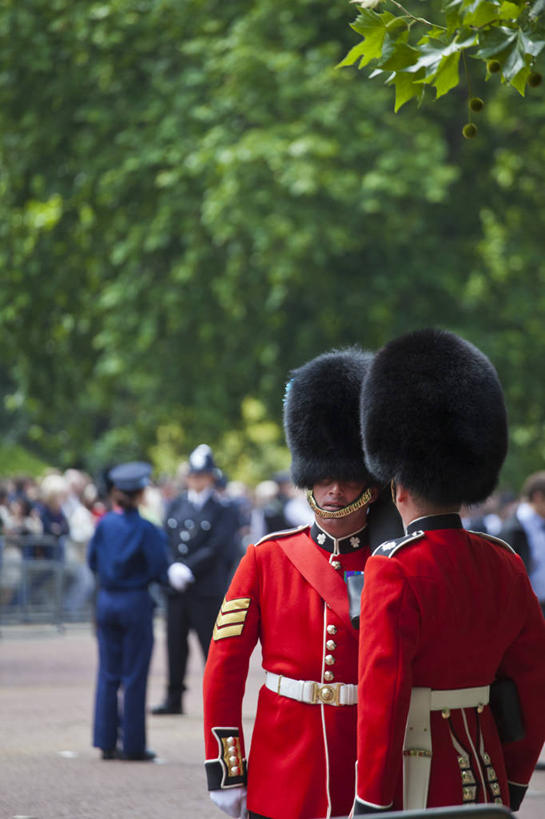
column 54, row 517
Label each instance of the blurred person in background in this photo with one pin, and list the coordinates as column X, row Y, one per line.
column 127, row 553
column 289, row 592
column 264, row 494
column 53, row 491
column 202, row 531
column 80, row 583
column 524, row 530
column 10, row 551
column 288, row 507
column 241, row 498
column 22, row 517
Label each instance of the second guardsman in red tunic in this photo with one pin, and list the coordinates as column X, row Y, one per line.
column 289, row 593
column 452, row 648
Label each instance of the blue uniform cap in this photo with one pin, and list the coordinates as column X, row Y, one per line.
column 131, row 477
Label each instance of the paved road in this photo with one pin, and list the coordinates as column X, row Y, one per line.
column 48, row 769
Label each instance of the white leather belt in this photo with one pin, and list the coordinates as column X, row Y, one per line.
column 313, row 693
column 459, row 698
column 417, row 750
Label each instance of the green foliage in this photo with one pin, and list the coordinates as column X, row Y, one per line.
column 258, row 450
column 194, row 201
column 412, row 52
column 16, row 460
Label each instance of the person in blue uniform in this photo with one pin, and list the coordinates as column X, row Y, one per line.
column 126, row 553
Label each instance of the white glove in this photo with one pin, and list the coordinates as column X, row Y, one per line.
column 232, row 801
column 180, row 576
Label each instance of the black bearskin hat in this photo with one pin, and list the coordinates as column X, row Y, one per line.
column 433, row 418
column 321, row 418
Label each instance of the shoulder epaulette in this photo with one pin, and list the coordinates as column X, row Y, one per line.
column 283, row 533
column 390, row 547
column 494, row 539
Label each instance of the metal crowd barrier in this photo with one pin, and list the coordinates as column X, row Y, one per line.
column 32, row 573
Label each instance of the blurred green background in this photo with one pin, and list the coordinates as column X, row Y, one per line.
column 194, row 200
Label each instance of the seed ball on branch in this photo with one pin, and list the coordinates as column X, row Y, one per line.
column 493, row 66
column 476, row 104
column 470, row 130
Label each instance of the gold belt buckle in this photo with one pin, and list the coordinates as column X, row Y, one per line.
column 328, row 694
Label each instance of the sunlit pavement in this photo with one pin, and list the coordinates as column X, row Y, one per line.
column 48, row 769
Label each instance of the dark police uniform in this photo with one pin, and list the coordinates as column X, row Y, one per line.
column 205, row 541
column 127, row 553
column 202, row 530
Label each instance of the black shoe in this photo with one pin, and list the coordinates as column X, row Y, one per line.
column 165, row 708
column 111, row 753
column 140, row 756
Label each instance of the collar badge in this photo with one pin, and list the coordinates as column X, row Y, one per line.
column 354, row 542
column 388, row 545
column 321, row 538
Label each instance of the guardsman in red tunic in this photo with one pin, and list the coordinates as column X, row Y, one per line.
column 289, row 593
column 452, row 648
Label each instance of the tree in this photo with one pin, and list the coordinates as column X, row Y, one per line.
column 195, row 201
column 412, row 52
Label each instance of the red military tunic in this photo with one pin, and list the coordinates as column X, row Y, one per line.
column 289, row 593
column 448, row 609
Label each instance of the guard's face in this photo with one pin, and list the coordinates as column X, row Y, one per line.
column 334, row 494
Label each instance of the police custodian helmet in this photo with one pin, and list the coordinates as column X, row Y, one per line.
column 433, row 418
column 321, row 417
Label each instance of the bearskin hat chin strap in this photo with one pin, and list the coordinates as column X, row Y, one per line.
column 362, row 500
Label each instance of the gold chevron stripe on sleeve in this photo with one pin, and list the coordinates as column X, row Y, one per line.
column 231, row 618
column 227, row 631
column 238, row 603
column 234, row 617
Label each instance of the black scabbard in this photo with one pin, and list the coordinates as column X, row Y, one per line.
column 505, row 706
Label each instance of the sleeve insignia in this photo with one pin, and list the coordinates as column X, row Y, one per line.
column 231, row 618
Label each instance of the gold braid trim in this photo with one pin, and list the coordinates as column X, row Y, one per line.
column 365, row 498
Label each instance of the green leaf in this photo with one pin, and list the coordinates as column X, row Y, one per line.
column 372, row 28
column 405, row 88
column 447, row 75
column 353, row 55
column 494, row 41
column 481, row 13
column 528, row 44
column 537, row 9
column 431, row 57
column 509, row 11
column 397, row 54
column 520, row 79
column 515, row 61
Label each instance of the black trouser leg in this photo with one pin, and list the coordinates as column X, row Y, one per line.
column 177, row 646
column 204, row 611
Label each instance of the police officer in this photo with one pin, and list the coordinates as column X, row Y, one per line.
column 289, row 593
column 127, row 553
column 452, row 634
column 202, row 532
